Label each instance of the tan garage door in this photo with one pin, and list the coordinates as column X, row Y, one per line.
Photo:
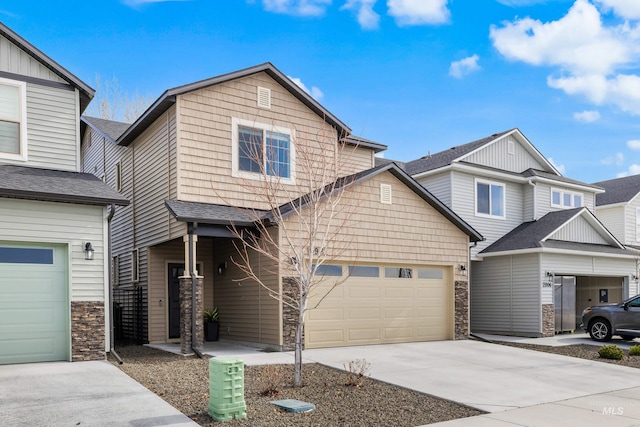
column 391, row 305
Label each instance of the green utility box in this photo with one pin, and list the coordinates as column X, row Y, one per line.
column 226, row 388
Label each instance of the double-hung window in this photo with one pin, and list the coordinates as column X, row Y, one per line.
column 13, row 122
column 490, row 199
column 261, row 151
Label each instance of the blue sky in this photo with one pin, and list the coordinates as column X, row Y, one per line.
column 417, row 75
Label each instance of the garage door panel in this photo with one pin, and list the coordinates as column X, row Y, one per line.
column 383, row 310
column 34, row 304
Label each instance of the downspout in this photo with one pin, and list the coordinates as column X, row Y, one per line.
column 194, row 285
column 535, row 202
column 112, row 350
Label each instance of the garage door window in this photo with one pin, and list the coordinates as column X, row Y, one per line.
column 26, row 256
column 363, row 271
column 430, row 273
column 401, row 272
column 329, row 270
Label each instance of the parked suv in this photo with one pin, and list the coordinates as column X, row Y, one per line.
column 621, row 319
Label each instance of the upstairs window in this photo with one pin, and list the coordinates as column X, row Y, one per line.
column 490, row 199
column 565, row 199
column 13, row 122
column 260, row 150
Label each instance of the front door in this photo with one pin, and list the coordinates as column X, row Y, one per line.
column 176, row 270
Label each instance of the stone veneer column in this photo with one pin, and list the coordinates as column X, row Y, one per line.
column 548, row 320
column 187, row 342
column 289, row 316
column 462, row 310
column 87, row 330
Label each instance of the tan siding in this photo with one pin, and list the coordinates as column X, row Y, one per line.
column 15, row 60
column 205, row 135
column 247, row 312
column 407, row 231
column 33, row 221
column 51, row 128
column 159, row 258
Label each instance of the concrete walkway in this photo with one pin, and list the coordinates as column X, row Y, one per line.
column 80, row 394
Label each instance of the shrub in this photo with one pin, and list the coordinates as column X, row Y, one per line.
column 635, row 350
column 611, row 352
column 357, row 372
column 271, row 380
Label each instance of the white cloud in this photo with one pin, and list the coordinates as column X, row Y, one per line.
column 367, row 17
column 634, row 169
column 587, row 116
column 634, row 144
column 617, row 159
column 592, row 59
column 419, row 12
column 465, row 66
column 315, row 92
column 518, row 3
column 297, row 7
column 627, row 9
column 560, row 168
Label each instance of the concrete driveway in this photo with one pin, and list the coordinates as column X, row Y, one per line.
column 80, row 394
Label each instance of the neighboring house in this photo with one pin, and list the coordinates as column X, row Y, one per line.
column 619, row 208
column 540, row 232
column 183, row 167
column 53, row 300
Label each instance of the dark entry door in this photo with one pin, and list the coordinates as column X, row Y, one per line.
column 175, row 271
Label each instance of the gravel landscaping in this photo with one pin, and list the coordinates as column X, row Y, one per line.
column 184, row 383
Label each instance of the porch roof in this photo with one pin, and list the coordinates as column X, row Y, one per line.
column 208, row 213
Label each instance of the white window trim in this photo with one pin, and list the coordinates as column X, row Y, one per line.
column 22, row 156
column 637, row 225
column 475, row 199
column 562, row 194
column 235, row 169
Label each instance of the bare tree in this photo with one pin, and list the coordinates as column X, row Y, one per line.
column 299, row 225
column 112, row 102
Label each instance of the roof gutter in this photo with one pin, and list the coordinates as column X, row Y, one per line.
column 554, row 251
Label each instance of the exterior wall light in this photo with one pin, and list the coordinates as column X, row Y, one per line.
column 88, row 251
column 463, row 269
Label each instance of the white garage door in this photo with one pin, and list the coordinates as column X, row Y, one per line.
column 34, row 303
column 378, row 304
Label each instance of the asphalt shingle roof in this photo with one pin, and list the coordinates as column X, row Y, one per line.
column 56, row 186
column 530, row 234
column 110, row 128
column 620, row 190
column 208, row 213
column 444, row 158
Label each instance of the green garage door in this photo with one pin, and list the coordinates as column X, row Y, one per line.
column 34, row 303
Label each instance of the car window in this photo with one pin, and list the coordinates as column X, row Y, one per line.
column 634, row 302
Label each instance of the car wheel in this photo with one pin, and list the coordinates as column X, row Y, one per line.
column 627, row 337
column 600, row 330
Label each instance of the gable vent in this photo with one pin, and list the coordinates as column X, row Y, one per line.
column 385, row 194
column 264, row 97
column 511, row 147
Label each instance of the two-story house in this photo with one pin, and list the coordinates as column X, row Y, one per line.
column 546, row 256
column 185, row 166
column 618, row 208
column 53, row 219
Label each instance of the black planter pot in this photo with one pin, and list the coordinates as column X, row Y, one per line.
column 211, row 330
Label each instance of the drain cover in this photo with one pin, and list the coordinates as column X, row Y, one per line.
column 292, row 405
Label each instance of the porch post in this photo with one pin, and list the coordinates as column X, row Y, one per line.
column 190, row 318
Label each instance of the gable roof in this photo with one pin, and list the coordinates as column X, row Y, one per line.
column 86, row 92
column 168, row 98
column 458, row 153
column 111, row 129
column 537, row 234
column 619, row 190
column 227, row 215
column 56, row 186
